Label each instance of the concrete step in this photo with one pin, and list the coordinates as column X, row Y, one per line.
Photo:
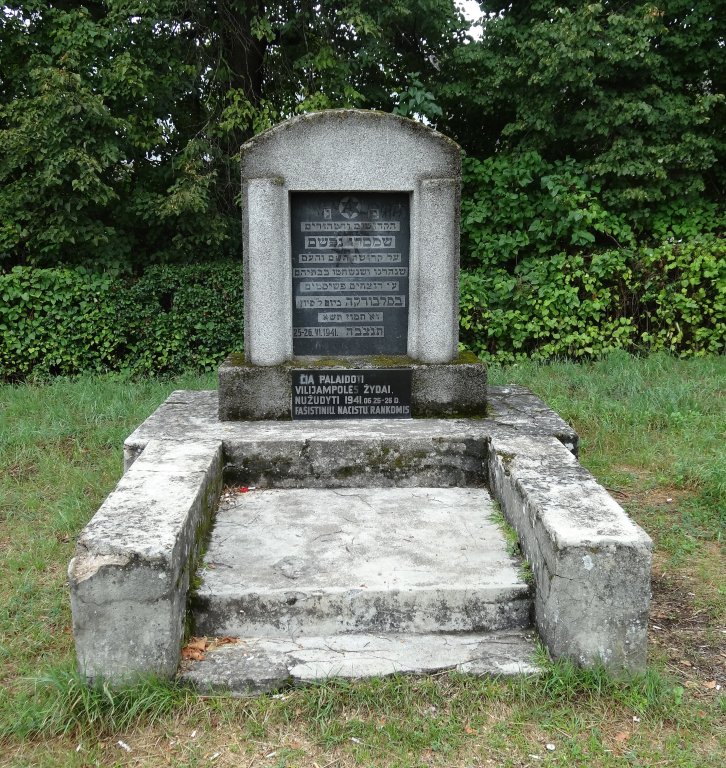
column 319, row 562
column 262, row 664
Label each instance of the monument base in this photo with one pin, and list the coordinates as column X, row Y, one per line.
column 253, row 393
column 388, row 495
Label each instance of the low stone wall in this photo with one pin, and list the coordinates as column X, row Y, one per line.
column 591, row 562
column 131, row 571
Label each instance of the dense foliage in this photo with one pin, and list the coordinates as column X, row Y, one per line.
column 584, row 304
column 175, row 318
column 594, row 133
column 121, row 121
column 631, row 94
column 64, row 321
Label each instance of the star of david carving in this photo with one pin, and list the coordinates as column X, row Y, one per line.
column 349, row 207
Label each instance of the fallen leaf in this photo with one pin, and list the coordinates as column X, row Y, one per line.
column 469, row 729
column 194, row 649
column 217, row 642
column 622, row 737
column 711, row 684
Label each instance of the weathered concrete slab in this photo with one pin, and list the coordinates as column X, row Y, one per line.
column 591, row 562
column 368, row 460
column 188, row 415
column 517, row 408
column 134, row 560
column 253, row 392
column 321, row 562
column 260, row 664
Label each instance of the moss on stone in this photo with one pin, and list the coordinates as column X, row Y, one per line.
column 391, row 361
column 202, row 536
column 342, row 473
column 388, row 461
column 466, row 357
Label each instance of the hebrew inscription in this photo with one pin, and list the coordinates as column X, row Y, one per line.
column 350, row 273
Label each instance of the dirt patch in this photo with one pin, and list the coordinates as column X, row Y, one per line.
column 644, row 491
column 21, row 470
column 637, row 473
column 688, row 634
column 661, row 496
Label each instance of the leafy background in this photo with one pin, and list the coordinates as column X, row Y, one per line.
column 593, row 135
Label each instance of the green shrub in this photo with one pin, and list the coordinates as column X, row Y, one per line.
column 584, row 305
column 515, row 206
column 561, row 305
column 182, row 318
column 55, row 321
column 682, row 293
column 62, row 321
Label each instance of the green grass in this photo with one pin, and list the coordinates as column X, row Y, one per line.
column 652, row 431
column 656, row 422
column 60, row 455
column 61, row 704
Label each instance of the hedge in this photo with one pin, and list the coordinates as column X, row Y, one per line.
column 63, row 321
column 581, row 305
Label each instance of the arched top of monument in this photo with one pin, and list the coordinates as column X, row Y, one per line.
column 350, row 149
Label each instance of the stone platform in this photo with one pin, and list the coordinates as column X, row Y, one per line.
column 323, row 562
column 259, row 664
column 358, row 581
column 254, row 392
column 135, row 561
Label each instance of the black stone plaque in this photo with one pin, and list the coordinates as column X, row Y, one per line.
column 350, row 264
column 352, row 394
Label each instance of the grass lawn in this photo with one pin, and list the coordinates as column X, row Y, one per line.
column 653, row 432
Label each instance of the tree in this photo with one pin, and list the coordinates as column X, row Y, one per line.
column 633, row 92
column 121, row 121
column 85, row 120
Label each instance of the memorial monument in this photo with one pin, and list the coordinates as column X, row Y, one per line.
column 351, row 242
column 331, row 511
